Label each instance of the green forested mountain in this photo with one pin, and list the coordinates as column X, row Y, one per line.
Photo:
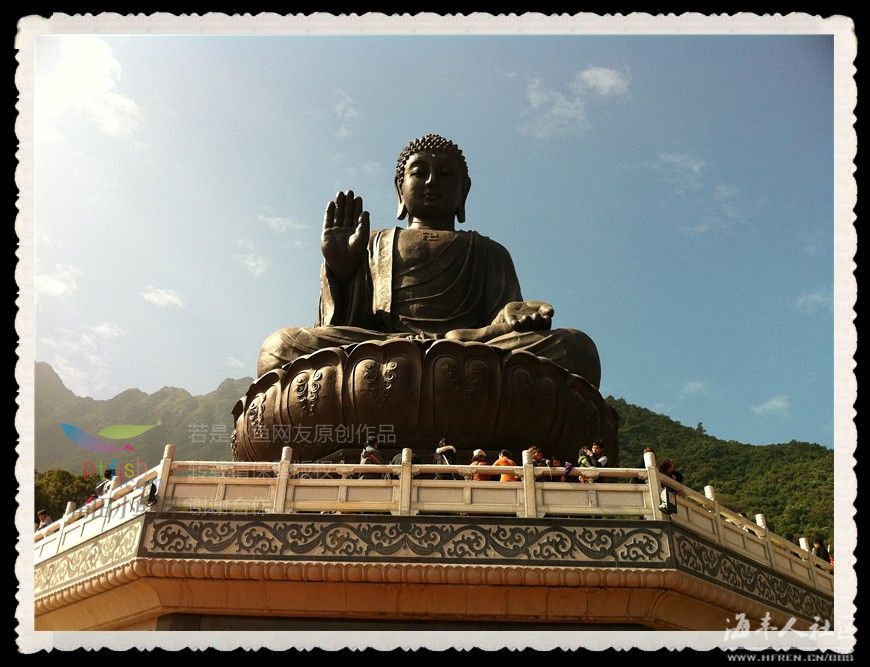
column 792, row 483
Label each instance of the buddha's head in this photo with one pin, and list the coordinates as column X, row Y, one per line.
column 432, row 180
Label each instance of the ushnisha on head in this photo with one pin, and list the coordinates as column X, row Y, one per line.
column 432, row 181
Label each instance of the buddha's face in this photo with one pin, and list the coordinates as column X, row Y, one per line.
column 433, row 186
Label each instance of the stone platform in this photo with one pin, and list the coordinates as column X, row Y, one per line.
column 270, row 546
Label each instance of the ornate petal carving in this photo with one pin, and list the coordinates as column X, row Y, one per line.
column 383, row 384
column 461, row 388
column 311, row 391
column 257, row 417
column 533, row 398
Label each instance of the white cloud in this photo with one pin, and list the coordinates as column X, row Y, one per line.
column 82, row 368
column 697, row 230
column 695, row 388
column 82, row 76
column 708, row 207
column 552, row 113
column 82, row 380
column 282, row 224
column 601, row 80
column 684, row 173
column 232, row 362
column 778, row 405
column 160, row 296
column 59, row 282
column 253, row 263
column 814, row 302
column 680, row 164
column 106, row 330
column 346, row 112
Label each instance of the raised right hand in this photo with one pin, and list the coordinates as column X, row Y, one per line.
column 345, row 236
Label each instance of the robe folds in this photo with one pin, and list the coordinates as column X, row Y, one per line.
column 462, row 284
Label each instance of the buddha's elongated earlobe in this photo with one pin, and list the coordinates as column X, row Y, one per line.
column 401, row 212
column 460, row 212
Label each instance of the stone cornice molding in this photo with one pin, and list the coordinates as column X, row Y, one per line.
column 429, row 574
column 593, row 556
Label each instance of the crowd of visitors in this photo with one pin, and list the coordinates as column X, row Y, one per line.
column 591, row 456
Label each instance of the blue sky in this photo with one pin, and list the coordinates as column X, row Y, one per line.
column 672, row 196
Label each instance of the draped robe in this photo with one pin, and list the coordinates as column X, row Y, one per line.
column 462, row 283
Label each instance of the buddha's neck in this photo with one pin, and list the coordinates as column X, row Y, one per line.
column 443, row 225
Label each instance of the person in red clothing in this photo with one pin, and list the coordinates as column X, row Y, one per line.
column 504, row 459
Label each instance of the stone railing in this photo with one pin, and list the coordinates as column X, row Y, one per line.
column 702, row 515
column 118, row 504
column 407, row 489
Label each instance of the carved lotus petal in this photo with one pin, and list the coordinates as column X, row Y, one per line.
column 473, row 394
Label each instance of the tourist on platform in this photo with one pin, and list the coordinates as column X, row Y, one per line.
column 479, row 458
column 445, row 455
column 538, row 459
column 598, row 454
column 371, row 455
column 585, row 459
column 505, row 458
column 104, row 486
column 557, row 462
column 43, row 519
column 592, row 457
column 819, row 550
column 667, row 468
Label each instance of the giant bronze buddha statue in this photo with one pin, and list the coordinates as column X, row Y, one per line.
column 431, row 289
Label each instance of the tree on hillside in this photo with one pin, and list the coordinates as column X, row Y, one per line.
column 791, row 484
column 54, row 488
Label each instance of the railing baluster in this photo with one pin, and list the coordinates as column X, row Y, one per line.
column 405, row 483
column 530, row 506
column 710, row 492
column 655, row 487
column 162, row 480
column 283, row 477
column 761, row 520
